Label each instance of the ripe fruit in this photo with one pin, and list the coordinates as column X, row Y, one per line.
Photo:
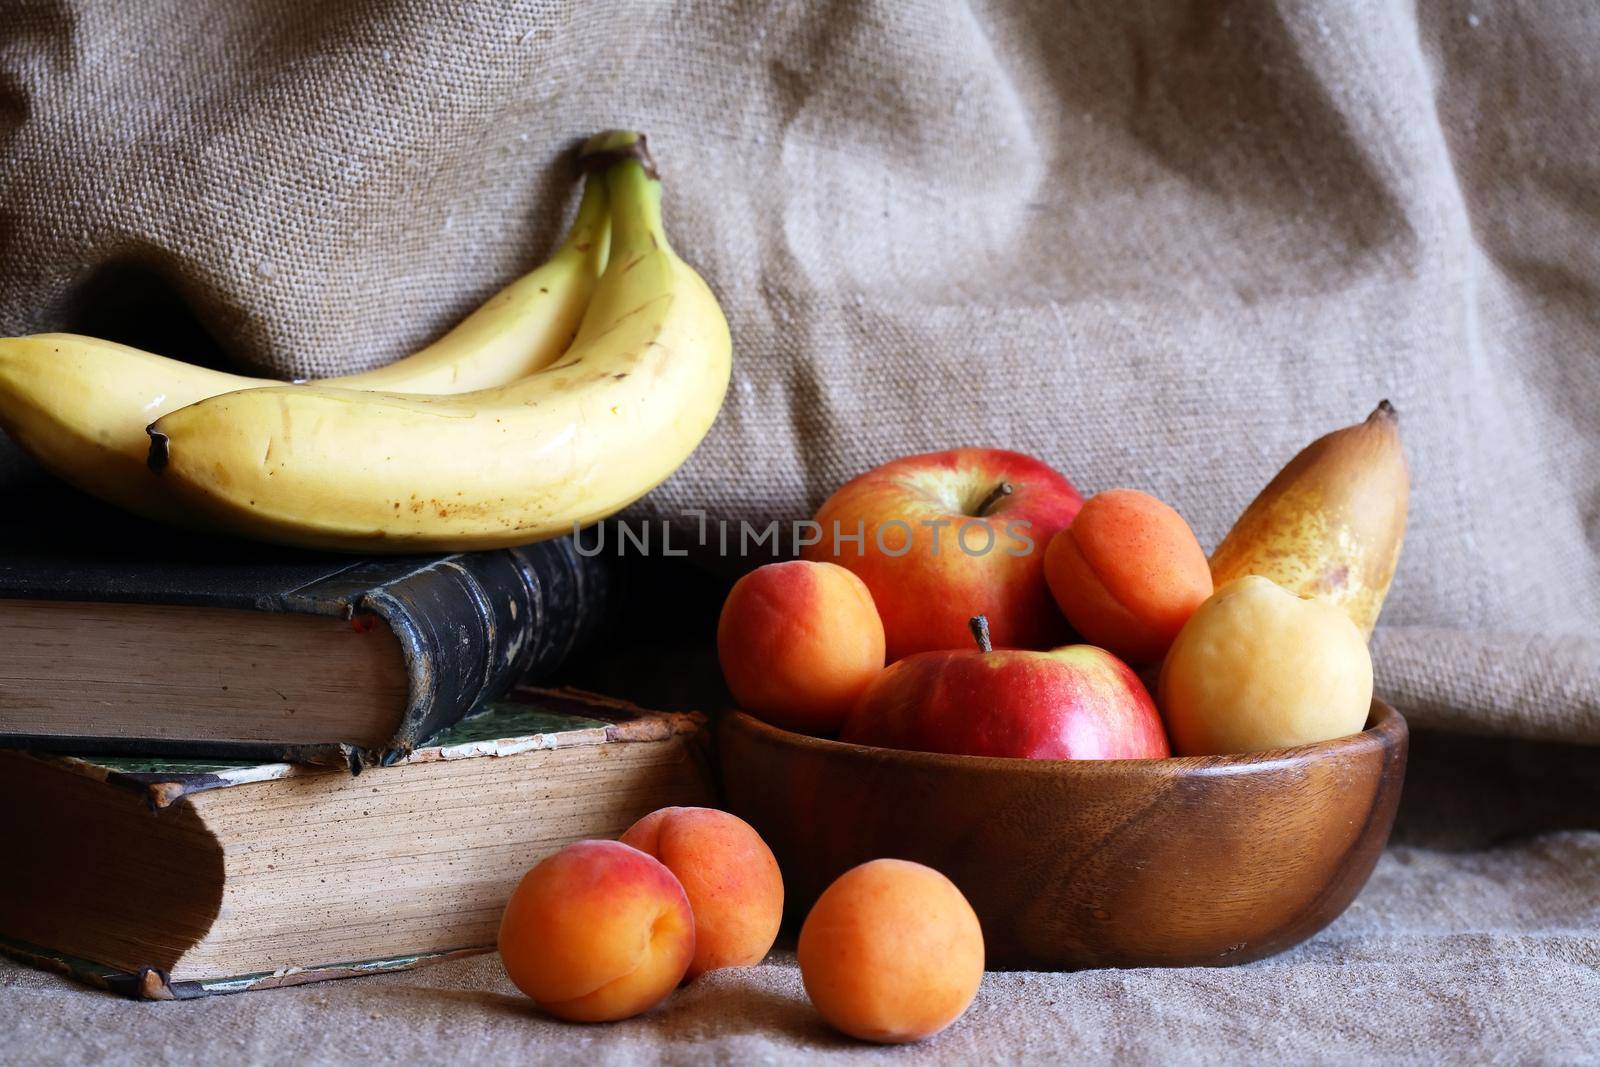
column 598, row 931
column 940, row 536
column 80, row 405
column 621, row 410
column 798, row 641
column 1331, row 523
column 729, row 875
column 891, row 952
column 1257, row 667
column 1076, row 702
column 1128, row 573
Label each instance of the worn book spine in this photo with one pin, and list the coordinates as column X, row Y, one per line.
column 469, row 626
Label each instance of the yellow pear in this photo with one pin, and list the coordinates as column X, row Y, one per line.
column 1331, row 523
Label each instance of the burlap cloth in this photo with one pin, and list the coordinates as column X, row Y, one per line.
column 1156, row 245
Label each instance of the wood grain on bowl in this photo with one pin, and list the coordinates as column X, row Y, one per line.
column 1088, row 863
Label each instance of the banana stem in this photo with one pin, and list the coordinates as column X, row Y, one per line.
column 623, row 158
column 635, row 210
column 589, row 224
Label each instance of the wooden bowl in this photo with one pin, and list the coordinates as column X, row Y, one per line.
column 1088, row 863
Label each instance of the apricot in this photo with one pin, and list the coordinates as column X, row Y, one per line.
column 798, row 641
column 1127, row 574
column 596, row 932
column 1259, row 667
column 729, row 875
column 891, row 952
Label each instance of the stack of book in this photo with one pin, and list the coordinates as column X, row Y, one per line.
column 218, row 776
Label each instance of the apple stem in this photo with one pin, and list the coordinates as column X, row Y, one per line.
column 979, row 625
column 999, row 492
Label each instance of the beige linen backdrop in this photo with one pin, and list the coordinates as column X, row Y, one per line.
column 1161, row 245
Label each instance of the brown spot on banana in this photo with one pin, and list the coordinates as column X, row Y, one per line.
column 160, row 453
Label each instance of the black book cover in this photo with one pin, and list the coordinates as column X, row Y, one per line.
column 469, row 624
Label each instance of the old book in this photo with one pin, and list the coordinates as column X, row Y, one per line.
column 177, row 879
column 124, row 637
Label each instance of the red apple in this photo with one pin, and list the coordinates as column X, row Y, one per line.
column 939, row 536
column 1076, row 702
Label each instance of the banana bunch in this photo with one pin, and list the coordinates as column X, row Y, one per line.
column 561, row 400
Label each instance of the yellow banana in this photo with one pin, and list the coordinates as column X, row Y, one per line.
column 335, row 468
column 80, row 405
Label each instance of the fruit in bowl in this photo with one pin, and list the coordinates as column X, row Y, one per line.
column 1097, row 852
column 1331, row 523
column 937, row 537
column 933, row 537
column 1258, row 667
column 798, row 641
column 1128, row 573
column 1075, row 702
